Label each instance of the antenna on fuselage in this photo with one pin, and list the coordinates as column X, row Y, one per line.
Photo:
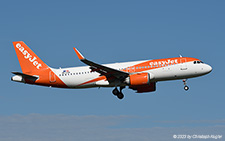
column 180, row 56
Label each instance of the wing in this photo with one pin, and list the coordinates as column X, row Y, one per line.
column 103, row 70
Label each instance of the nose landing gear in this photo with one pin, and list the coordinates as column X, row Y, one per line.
column 185, row 85
column 118, row 93
column 186, row 88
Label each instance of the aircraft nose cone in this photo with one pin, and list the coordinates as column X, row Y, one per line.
column 208, row 68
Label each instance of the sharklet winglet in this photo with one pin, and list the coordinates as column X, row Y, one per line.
column 79, row 55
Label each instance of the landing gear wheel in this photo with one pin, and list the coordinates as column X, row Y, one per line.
column 118, row 93
column 115, row 92
column 186, row 88
column 185, row 85
column 120, row 96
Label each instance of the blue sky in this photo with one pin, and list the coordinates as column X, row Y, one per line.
column 107, row 32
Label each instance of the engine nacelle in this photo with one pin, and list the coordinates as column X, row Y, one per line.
column 138, row 79
column 141, row 82
column 151, row 87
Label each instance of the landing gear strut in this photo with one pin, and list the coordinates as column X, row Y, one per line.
column 185, row 85
column 118, row 93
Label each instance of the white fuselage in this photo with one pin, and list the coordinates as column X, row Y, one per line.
column 76, row 77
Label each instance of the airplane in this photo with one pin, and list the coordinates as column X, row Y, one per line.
column 140, row 76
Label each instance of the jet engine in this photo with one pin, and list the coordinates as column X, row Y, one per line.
column 141, row 82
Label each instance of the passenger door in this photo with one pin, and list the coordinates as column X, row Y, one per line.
column 183, row 64
column 52, row 77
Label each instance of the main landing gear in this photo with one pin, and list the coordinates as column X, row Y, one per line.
column 185, row 85
column 118, row 93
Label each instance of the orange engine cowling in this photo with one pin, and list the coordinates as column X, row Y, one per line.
column 138, row 79
column 141, row 82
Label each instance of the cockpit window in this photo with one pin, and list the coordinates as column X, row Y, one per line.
column 198, row 62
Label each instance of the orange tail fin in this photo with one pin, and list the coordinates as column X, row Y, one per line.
column 29, row 61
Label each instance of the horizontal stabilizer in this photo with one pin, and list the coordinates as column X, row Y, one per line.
column 21, row 77
column 25, row 75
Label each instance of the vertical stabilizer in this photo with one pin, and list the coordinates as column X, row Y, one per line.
column 35, row 71
column 29, row 61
